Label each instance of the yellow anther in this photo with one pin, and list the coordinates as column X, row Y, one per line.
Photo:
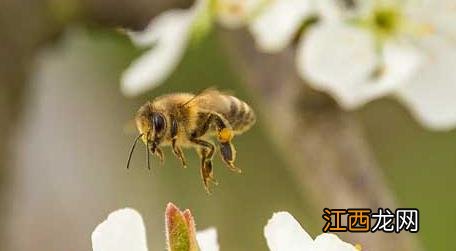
column 225, row 135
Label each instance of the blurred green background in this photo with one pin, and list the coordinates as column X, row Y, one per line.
column 71, row 144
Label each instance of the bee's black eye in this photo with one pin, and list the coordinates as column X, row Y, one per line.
column 159, row 122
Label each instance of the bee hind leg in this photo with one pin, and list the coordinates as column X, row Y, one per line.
column 179, row 154
column 228, row 155
column 224, row 136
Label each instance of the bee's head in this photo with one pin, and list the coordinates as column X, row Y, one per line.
column 151, row 123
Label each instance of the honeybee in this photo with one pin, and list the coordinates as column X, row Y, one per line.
column 183, row 120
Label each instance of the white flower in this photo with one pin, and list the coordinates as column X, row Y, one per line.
column 431, row 93
column 406, row 49
column 284, row 233
column 207, row 239
column 277, row 23
column 345, row 69
column 167, row 35
column 124, row 230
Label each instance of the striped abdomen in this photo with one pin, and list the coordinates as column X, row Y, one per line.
column 240, row 116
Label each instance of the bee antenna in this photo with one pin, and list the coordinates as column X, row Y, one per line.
column 147, row 153
column 132, row 149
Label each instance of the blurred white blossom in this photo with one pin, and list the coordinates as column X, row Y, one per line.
column 278, row 22
column 401, row 48
column 167, row 37
column 272, row 22
column 169, row 34
column 124, row 230
column 284, row 233
column 207, row 239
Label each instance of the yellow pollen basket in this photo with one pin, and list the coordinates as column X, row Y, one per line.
column 225, row 135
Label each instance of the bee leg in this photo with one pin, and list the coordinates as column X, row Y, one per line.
column 155, row 150
column 206, row 151
column 207, row 173
column 224, row 136
column 228, row 155
column 178, row 152
column 176, row 149
column 160, row 155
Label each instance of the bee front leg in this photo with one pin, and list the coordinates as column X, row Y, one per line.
column 206, row 151
column 176, row 149
column 155, row 150
column 160, row 155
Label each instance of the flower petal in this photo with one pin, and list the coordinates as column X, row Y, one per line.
column 170, row 33
column 275, row 27
column 330, row 242
column 438, row 16
column 337, row 58
column 430, row 95
column 207, row 240
column 332, row 10
column 284, row 233
column 400, row 63
column 349, row 70
column 122, row 230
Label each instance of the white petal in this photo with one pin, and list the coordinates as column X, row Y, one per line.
column 235, row 13
column 171, row 31
column 337, row 58
column 284, row 233
column 431, row 94
column 330, row 242
column 331, row 10
column 161, row 27
column 207, row 240
column 439, row 16
column 400, row 63
column 275, row 27
column 122, row 230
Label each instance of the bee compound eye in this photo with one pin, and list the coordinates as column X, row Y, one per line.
column 159, row 122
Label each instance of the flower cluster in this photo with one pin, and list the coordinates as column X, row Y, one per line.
column 124, row 230
column 356, row 50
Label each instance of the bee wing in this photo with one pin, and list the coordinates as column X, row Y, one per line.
column 205, row 92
